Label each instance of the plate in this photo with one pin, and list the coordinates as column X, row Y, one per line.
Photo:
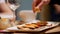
column 15, row 29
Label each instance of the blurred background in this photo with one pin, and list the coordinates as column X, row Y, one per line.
column 27, row 5
column 24, row 5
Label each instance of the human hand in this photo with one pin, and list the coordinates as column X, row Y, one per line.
column 39, row 4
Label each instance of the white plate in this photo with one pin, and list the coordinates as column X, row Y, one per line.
column 39, row 29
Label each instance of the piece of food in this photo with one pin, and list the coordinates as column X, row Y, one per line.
column 29, row 26
column 32, row 25
column 19, row 27
column 22, row 28
column 42, row 23
column 25, row 29
column 4, row 23
column 37, row 10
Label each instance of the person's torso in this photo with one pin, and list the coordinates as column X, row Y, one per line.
column 54, row 16
column 54, row 2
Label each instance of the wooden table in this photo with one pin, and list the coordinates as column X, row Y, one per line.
column 54, row 30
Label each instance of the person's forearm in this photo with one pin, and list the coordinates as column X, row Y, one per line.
column 34, row 5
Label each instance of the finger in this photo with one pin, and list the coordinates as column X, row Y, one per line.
column 46, row 1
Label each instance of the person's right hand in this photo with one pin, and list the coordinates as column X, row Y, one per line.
column 39, row 4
